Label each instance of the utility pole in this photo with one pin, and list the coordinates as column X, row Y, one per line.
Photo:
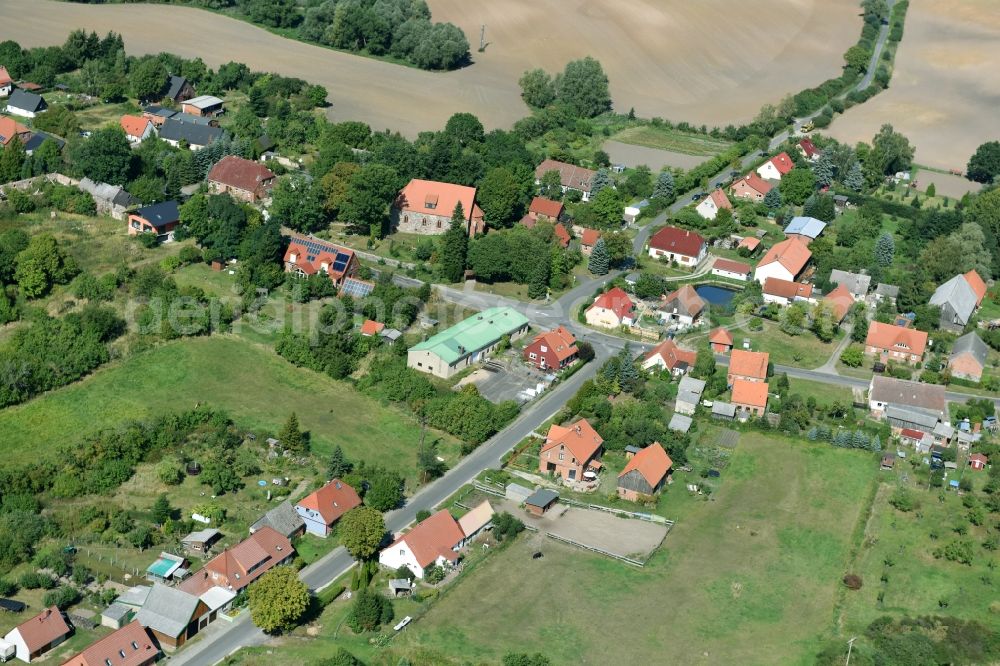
column 850, row 646
column 482, row 38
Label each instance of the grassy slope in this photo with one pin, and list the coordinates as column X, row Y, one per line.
column 748, row 578
column 255, row 386
column 672, row 139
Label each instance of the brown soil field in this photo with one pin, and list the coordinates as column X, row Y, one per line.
column 946, row 184
column 944, row 94
column 695, row 61
column 654, row 158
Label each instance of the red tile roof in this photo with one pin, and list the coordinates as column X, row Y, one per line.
column 616, row 300
column 754, row 182
column 977, row 284
column 840, row 300
column 721, row 336
column 312, row 253
column 978, row 457
column 331, row 501
column 687, row 298
column 787, row 289
column 750, row 243
column 242, row 174
column 370, row 328
column 9, row 128
column 43, row 629
column 792, row 253
column 589, row 237
column 782, row 162
column 731, row 266
column 134, row 125
column 678, row 241
column 570, row 175
column 132, row 640
column 433, row 537
column 749, row 393
column 432, row 197
column 652, row 463
column 749, row 363
column 910, row 433
column 671, row 354
column 580, row 438
column 560, row 341
column 808, row 147
column 720, row 199
column 5, row 76
column 547, row 207
column 562, row 234
column 263, row 549
column 896, row 338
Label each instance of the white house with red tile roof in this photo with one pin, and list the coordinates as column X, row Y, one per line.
column 776, row 167
column 137, row 128
column 307, row 256
column 786, row 292
column 808, row 149
column 611, row 309
column 324, row 507
column 33, row 638
column 668, row 356
column 426, row 206
column 713, row 203
column 785, row 260
column 734, row 270
column 685, row 247
column 588, row 239
column 750, row 186
column 434, row 540
column 129, row 646
column 6, row 83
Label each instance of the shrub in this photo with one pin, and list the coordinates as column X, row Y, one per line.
column 852, row 581
column 369, row 611
column 903, row 500
column 61, row 597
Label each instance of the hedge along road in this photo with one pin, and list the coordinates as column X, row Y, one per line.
column 654, row 52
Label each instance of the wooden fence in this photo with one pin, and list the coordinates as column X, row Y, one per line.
column 648, row 517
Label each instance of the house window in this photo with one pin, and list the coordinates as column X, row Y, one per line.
column 423, row 222
column 544, row 349
column 402, row 552
column 562, row 456
column 532, row 356
column 406, row 219
column 439, row 224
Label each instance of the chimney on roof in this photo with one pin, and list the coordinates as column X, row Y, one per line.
column 578, row 429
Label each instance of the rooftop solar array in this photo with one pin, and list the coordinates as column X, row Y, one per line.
column 357, row 288
column 315, row 247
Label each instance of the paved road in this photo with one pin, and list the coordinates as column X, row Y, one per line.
column 883, row 35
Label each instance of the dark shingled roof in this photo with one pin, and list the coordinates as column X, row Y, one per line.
column 174, row 86
column 542, row 497
column 196, row 135
column 27, row 101
column 161, row 214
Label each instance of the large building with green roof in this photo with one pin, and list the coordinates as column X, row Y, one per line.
column 467, row 342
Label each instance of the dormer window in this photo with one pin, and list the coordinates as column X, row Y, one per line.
column 292, row 257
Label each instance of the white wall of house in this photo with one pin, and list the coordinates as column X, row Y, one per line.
column 682, row 259
column 768, row 171
column 24, row 113
column 396, row 556
column 774, row 269
column 6, row 89
column 730, row 274
column 21, row 648
column 313, row 520
column 707, row 209
column 606, row 318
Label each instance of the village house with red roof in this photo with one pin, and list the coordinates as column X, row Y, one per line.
column 785, row 260
column 895, row 343
column 6, row 82
column 426, row 207
column 552, row 350
column 322, row 508
column 129, row 646
column 569, row 451
column 785, row 292
column 588, row 239
column 808, row 149
column 685, row 247
column 571, row 177
column 645, row 473
column 433, row 541
column 750, row 186
column 307, row 256
column 713, row 203
column 668, row 356
column 137, row 128
column 242, row 179
column 734, row 270
column 33, row 638
column 750, row 398
column 776, row 167
column 611, row 309
column 721, row 341
column 749, row 366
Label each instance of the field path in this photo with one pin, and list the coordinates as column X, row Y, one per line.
column 671, row 58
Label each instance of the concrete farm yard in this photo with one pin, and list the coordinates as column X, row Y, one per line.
column 658, row 61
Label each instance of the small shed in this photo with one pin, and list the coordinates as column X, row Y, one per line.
column 400, row 587
column 631, row 451
column 540, row 501
column 978, row 461
column 117, row 615
column 631, row 214
column 390, row 335
column 201, row 541
column 888, row 461
column 953, row 484
column 680, row 423
column 724, row 411
column 12, row 606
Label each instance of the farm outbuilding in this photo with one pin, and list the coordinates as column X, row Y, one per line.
column 540, row 501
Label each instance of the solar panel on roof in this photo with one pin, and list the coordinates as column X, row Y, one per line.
column 357, row 288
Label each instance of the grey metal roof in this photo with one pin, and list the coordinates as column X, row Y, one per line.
column 943, row 430
column 805, row 226
column 970, row 343
column 688, row 397
column 913, row 415
column 195, row 135
column 889, row 290
column 723, row 408
column 957, row 293
column 282, row 519
column 116, row 611
column 856, row 283
column 542, row 497
column 101, row 191
column 680, row 423
column 167, row 610
column 201, row 536
column 689, row 383
column 632, row 449
column 134, row 596
column 21, row 99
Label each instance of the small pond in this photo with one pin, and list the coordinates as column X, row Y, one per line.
column 714, row 294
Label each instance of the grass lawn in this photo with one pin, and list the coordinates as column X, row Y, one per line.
column 256, row 387
column 916, row 582
column 825, row 394
column 672, row 139
column 751, row 577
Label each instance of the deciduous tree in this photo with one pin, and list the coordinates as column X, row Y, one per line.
column 278, row 599
column 984, row 165
column 361, row 530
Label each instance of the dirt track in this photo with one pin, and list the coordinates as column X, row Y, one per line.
column 944, row 94
column 700, row 61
